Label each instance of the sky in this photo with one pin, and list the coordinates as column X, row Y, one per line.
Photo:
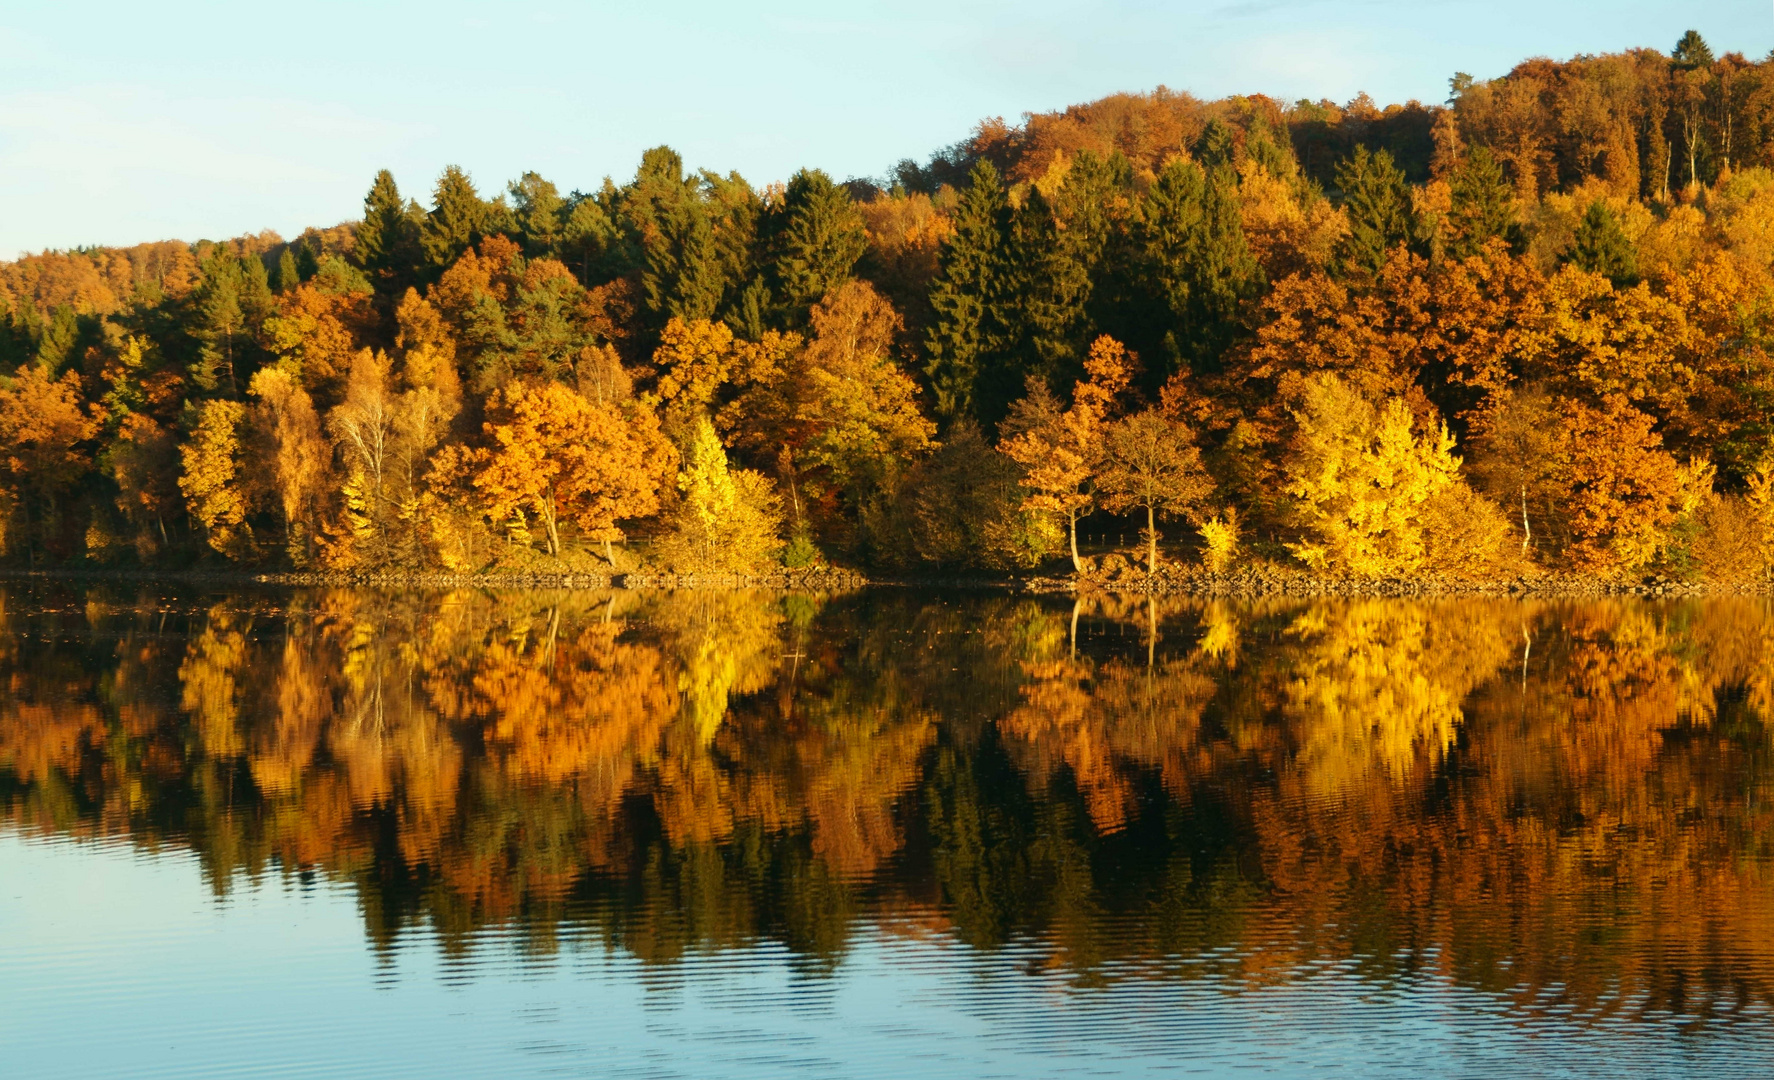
column 128, row 122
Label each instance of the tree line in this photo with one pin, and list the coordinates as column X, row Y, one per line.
column 1528, row 328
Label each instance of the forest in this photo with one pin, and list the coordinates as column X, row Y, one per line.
column 1524, row 331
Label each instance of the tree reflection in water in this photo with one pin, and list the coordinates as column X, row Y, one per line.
column 1562, row 803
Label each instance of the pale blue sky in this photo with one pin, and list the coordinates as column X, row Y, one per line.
column 126, row 122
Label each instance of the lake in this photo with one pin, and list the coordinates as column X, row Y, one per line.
column 327, row 833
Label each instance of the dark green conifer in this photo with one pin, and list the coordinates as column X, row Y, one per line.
column 679, row 261
column 457, row 221
column 964, row 328
column 1378, row 204
column 288, row 275
column 1483, row 205
column 1691, row 52
column 539, row 213
column 820, row 239
column 307, row 261
column 387, row 243
column 1602, row 248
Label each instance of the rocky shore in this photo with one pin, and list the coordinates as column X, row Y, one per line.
column 1108, row 575
column 826, row 579
column 1120, row 576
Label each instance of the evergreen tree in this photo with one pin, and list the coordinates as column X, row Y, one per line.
column 539, row 213
column 1056, row 284
column 820, row 239
column 1216, row 146
column 679, row 261
column 1379, row 207
column 307, row 262
column 1602, row 248
column 591, row 243
column 965, row 327
column 57, row 340
column 1275, row 158
column 457, row 221
column 220, row 323
column 1223, row 273
column 288, row 275
column 1198, row 267
column 1483, row 205
column 1691, row 52
column 387, row 244
column 1042, row 287
column 735, row 213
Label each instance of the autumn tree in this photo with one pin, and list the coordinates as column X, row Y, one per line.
column 297, row 458
column 1060, row 452
column 1150, row 463
column 726, row 521
column 1361, row 477
column 216, row 495
column 554, row 454
column 44, row 432
column 1625, row 491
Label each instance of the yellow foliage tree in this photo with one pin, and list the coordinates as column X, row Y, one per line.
column 43, row 427
column 727, row 520
column 298, row 457
column 210, row 482
column 1361, row 478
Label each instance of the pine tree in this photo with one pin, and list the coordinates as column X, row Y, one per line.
column 1691, row 52
column 1216, row 146
column 457, row 221
column 387, row 244
column 288, row 276
column 679, row 261
column 820, row 239
column 1223, row 273
column 539, row 213
column 220, row 324
column 1602, row 248
column 1043, row 286
column 1483, row 205
column 1379, row 207
column 965, row 327
column 1197, row 267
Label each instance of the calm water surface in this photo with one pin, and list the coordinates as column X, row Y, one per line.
column 886, row 834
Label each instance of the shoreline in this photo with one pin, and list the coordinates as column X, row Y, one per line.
column 1263, row 581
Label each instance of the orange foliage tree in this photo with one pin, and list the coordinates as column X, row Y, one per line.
column 553, row 453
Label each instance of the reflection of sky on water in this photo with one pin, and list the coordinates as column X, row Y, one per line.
column 122, row 963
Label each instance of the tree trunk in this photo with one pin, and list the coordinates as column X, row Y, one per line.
column 554, row 538
column 1524, row 519
column 608, row 553
column 1151, row 541
column 1072, row 522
